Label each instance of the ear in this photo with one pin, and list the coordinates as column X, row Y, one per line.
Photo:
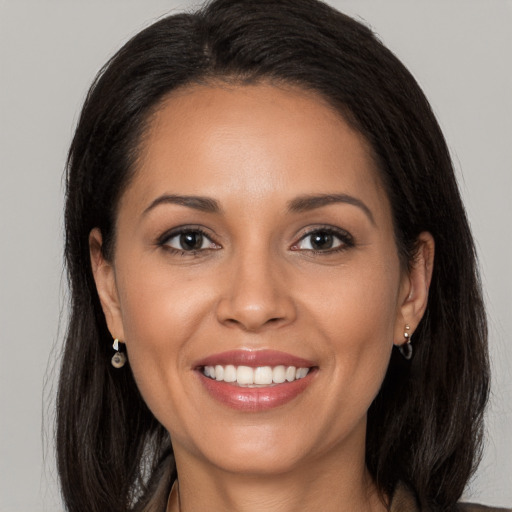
column 104, row 277
column 415, row 287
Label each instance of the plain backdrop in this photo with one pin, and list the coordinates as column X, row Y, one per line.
column 460, row 52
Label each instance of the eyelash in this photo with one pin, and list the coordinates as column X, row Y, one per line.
column 343, row 236
column 163, row 241
column 346, row 239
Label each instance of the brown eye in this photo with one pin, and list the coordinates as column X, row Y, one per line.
column 321, row 240
column 189, row 241
column 324, row 240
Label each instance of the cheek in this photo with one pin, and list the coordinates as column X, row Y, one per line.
column 356, row 302
column 158, row 305
column 356, row 314
column 161, row 315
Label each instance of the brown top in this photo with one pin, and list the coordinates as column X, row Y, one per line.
column 405, row 501
column 473, row 507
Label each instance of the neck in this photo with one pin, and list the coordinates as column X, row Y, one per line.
column 328, row 484
column 265, row 498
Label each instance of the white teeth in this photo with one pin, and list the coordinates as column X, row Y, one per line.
column 219, row 372
column 259, row 376
column 290, row 373
column 301, row 373
column 229, row 373
column 263, row 375
column 279, row 374
column 244, row 375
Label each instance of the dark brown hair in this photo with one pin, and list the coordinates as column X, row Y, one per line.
column 424, row 427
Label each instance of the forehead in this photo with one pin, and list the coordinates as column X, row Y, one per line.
column 261, row 140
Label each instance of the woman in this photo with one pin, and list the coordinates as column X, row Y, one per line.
column 255, row 196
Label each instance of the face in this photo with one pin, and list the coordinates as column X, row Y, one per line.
column 256, row 281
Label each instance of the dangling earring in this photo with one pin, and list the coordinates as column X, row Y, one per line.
column 119, row 358
column 406, row 347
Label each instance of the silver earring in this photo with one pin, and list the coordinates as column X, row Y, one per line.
column 119, row 358
column 406, row 347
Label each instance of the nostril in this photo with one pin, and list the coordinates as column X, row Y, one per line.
column 253, row 312
column 252, row 326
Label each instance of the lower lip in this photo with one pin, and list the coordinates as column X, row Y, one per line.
column 255, row 399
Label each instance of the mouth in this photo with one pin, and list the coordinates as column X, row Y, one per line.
column 261, row 376
column 251, row 381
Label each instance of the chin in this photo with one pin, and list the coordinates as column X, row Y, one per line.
column 248, row 461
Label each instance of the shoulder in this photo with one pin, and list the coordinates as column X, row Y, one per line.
column 404, row 500
column 473, row 507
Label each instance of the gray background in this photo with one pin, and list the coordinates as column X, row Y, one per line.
column 460, row 52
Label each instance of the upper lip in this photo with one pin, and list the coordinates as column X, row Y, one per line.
column 254, row 358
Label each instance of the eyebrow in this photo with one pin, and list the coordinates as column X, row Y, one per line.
column 311, row 202
column 203, row 204
column 297, row 205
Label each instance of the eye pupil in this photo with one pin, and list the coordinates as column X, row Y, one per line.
column 191, row 241
column 321, row 240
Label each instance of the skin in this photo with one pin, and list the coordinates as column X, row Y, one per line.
column 258, row 285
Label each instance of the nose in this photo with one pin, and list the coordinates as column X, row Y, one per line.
column 256, row 295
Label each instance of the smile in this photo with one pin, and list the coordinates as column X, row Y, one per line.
column 255, row 380
column 261, row 376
